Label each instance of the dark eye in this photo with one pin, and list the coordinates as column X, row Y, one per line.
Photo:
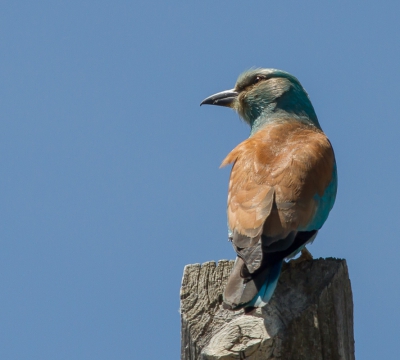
column 258, row 79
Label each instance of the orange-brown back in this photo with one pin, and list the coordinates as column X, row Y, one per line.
column 274, row 179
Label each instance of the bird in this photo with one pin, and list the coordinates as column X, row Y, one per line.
column 282, row 185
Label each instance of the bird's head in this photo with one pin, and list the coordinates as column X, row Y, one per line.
column 262, row 96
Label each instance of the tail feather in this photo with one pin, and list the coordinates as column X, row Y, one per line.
column 267, row 290
column 255, row 291
column 255, row 274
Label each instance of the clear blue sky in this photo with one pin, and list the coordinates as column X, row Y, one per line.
column 109, row 167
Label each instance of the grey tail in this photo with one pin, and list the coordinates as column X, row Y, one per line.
column 256, row 271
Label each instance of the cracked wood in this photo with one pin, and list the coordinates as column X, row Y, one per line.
column 310, row 316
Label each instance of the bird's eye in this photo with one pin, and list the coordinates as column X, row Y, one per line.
column 258, row 79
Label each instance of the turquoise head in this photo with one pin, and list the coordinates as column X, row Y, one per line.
column 263, row 96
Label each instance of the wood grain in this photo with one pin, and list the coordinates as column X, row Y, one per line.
column 309, row 317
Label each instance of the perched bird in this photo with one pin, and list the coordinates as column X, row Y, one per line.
column 282, row 185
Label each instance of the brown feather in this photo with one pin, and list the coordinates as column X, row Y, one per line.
column 275, row 175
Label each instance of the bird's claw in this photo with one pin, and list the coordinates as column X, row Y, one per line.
column 305, row 256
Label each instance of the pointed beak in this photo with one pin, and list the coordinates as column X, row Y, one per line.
column 223, row 98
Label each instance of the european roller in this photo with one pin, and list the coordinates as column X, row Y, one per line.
column 282, row 184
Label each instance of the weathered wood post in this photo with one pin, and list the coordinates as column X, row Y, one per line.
column 309, row 317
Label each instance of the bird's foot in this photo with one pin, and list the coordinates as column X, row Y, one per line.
column 305, row 256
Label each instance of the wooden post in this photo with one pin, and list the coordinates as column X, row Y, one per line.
column 309, row 317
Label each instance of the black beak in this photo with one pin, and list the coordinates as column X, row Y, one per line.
column 223, row 98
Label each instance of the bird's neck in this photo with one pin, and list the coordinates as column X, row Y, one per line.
column 262, row 121
column 287, row 107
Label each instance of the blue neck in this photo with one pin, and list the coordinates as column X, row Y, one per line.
column 293, row 104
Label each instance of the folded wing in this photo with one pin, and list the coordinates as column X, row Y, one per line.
column 278, row 183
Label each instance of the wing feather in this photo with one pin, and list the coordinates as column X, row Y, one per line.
column 275, row 176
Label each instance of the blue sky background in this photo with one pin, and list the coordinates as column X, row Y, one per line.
column 109, row 168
